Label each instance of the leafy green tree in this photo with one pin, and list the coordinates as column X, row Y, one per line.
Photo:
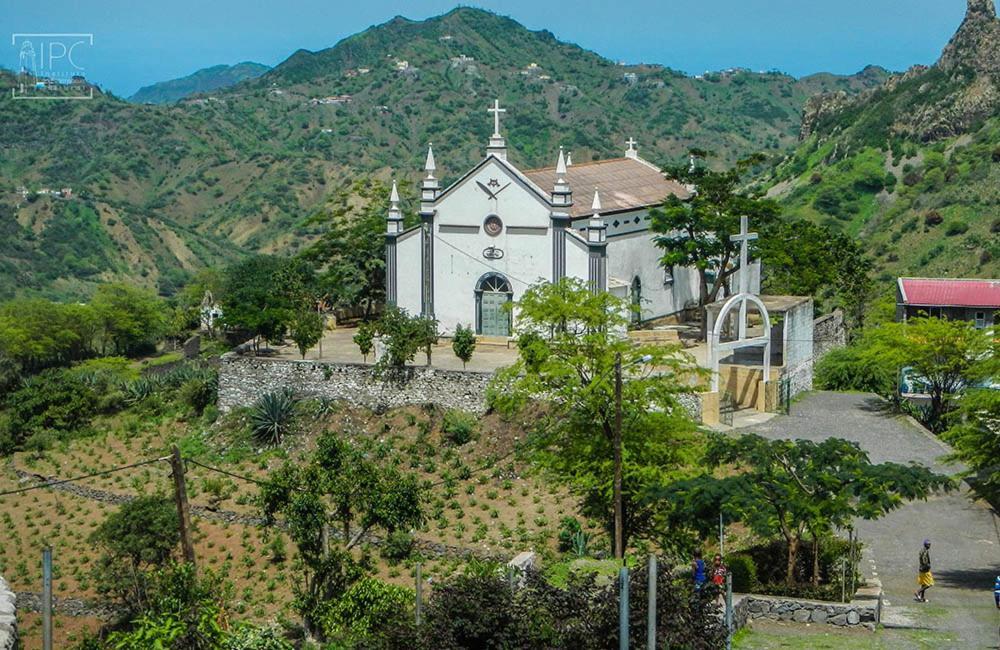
column 696, row 232
column 139, row 537
column 36, row 333
column 975, row 435
column 793, row 487
column 48, row 405
column 364, row 338
column 262, row 293
column 130, row 318
column 404, row 335
column 341, row 486
column 306, row 329
column 464, row 343
column 567, row 351
column 351, row 251
column 947, row 355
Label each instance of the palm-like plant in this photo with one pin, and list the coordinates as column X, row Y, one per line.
column 273, row 416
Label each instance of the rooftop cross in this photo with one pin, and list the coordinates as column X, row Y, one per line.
column 496, row 110
column 631, row 143
column 744, row 238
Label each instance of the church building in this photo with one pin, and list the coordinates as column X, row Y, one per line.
column 498, row 229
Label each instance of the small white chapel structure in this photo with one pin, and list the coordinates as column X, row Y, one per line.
column 496, row 230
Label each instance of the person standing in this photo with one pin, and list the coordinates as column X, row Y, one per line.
column 996, row 591
column 698, row 570
column 719, row 578
column 924, row 577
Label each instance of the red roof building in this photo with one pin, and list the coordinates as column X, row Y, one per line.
column 960, row 299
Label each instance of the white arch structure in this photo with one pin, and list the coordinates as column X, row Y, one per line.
column 715, row 344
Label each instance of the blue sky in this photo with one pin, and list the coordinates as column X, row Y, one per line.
column 138, row 42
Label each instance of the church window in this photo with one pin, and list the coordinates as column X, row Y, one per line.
column 493, row 226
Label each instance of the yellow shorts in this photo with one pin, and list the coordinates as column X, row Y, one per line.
column 925, row 579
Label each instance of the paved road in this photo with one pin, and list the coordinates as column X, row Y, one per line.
column 965, row 534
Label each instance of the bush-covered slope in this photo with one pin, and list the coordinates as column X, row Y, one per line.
column 202, row 81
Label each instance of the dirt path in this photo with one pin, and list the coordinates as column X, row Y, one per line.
column 964, row 533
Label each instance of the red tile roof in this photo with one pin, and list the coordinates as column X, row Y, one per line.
column 941, row 292
column 624, row 184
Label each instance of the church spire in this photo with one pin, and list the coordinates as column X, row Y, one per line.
column 497, row 147
column 429, row 166
column 562, row 195
column 394, row 219
column 596, row 205
column 596, row 228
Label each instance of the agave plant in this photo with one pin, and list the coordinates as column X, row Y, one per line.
column 581, row 544
column 137, row 391
column 273, row 416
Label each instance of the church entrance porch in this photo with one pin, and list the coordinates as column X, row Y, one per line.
column 493, row 292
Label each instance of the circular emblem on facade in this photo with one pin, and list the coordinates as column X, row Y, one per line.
column 493, row 253
column 493, row 226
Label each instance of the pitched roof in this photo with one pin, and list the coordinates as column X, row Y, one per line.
column 943, row 292
column 624, row 184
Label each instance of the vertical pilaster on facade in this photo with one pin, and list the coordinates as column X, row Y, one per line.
column 597, row 245
column 562, row 201
column 393, row 228
column 429, row 190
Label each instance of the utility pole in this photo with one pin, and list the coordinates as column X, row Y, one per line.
column 47, row 598
column 619, row 530
column 651, row 605
column 183, row 509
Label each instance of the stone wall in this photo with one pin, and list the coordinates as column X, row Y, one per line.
column 854, row 614
column 829, row 333
column 8, row 617
column 242, row 379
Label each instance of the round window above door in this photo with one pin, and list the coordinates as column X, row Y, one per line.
column 493, row 226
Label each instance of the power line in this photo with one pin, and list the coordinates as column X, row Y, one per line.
column 479, row 261
column 222, row 471
column 83, row 478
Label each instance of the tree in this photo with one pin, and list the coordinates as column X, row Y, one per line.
column 947, row 356
column 340, row 486
column 306, row 329
column 567, row 349
column 696, row 232
column 130, row 318
column 36, row 333
column 426, row 330
column 351, row 252
column 364, row 338
column 975, row 435
column 464, row 343
column 792, row 487
column 262, row 293
column 403, row 335
column 139, row 537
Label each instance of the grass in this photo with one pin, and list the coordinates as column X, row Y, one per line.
column 772, row 636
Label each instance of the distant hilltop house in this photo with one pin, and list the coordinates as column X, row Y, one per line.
column 977, row 301
column 355, row 72
column 630, row 78
column 332, row 99
column 402, row 65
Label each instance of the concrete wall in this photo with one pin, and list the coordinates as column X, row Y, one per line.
column 635, row 255
column 8, row 617
column 242, row 379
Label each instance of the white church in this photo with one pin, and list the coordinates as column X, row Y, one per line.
column 496, row 230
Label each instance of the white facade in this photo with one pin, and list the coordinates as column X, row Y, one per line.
column 496, row 231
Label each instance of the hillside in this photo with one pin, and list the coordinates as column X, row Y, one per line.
column 912, row 167
column 213, row 177
column 202, row 81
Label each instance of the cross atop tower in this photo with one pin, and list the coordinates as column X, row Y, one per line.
column 744, row 238
column 631, row 152
column 496, row 110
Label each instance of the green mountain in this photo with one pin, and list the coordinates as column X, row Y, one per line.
column 165, row 189
column 202, row 81
column 913, row 166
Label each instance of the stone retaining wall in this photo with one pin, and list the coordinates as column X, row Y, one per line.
column 854, row 614
column 829, row 333
column 242, row 379
column 8, row 617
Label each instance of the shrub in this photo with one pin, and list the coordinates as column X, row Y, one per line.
column 365, row 338
column 744, row 572
column 995, row 228
column 852, row 368
column 568, row 527
column 459, row 427
column 248, row 637
column 273, row 416
column 397, row 546
column 933, row 218
column 956, row 228
column 54, row 400
column 200, row 392
column 464, row 343
column 370, row 609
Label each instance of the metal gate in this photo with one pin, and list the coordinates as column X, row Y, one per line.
column 727, row 406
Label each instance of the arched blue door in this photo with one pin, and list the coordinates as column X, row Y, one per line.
column 493, row 292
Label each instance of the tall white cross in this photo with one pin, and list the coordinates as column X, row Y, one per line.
column 631, row 143
column 496, row 110
column 744, row 238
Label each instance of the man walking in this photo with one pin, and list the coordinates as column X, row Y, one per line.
column 924, row 578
